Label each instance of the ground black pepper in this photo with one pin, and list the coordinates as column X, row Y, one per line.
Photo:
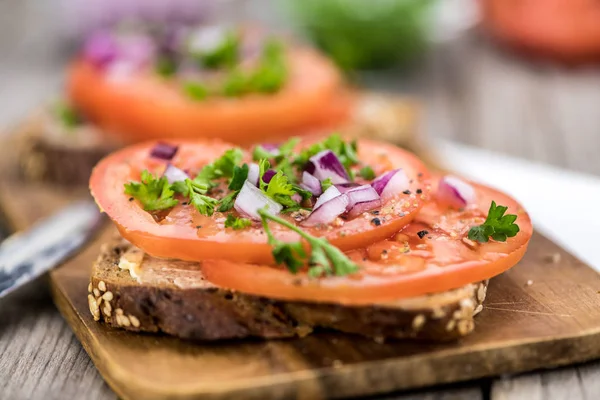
column 421, row 234
column 376, row 221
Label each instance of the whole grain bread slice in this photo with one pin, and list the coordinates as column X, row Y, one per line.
column 172, row 297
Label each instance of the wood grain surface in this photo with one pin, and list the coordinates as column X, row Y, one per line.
column 473, row 93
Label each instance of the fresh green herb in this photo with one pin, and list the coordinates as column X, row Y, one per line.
column 235, row 84
column 165, row 66
column 280, row 189
column 497, row 225
column 239, row 176
column 227, row 202
column 67, row 115
column 367, row 173
column 223, row 167
column 287, row 149
column 324, row 260
column 224, row 55
column 154, row 193
column 196, row 192
column 345, row 151
column 326, row 184
column 237, row 222
column 260, row 152
column 263, row 166
column 195, row 90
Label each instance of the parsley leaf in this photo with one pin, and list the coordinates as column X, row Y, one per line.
column 226, row 54
column 67, row 115
column 280, row 189
column 325, row 259
column 154, row 193
column 227, row 202
column 196, row 192
column 367, row 173
column 237, row 222
column 326, row 184
column 223, row 167
column 239, row 176
column 497, row 225
column 260, row 152
column 263, row 166
column 195, row 90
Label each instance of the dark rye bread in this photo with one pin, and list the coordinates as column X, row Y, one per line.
column 176, row 300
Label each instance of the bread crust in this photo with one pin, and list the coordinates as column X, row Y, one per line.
column 205, row 312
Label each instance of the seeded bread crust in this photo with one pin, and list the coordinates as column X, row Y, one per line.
column 207, row 312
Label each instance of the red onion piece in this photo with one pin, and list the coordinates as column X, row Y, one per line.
column 327, row 195
column 344, row 187
column 164, row 151
column 174, row 174
column 100, row 49
column 391, row 184
column 327, row 211
column 268, row 175
column 271, row 148
column 325, row 165
column 297, row 198
column 362, row 199
column 137, row 50
column 455, row 192
column 251, row 199
column 253, row 171
column 312, row 184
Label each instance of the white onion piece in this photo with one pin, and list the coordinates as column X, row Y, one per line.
column 251, row 199
column 391, row 184
column 325, row 165
column 455, row 192
column 174, row 174
column 312, row 184
column 327, row 195
column 363, row 207
column 207, row 39
column 253, row 171
column 328, row 211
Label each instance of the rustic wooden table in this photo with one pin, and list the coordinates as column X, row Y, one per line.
column 472, row 93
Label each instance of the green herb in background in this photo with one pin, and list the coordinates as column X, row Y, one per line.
column 67, row 115
column 366, row 34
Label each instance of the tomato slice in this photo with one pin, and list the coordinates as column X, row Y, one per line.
column 430, row 255
column 185, row 234
column 146, row 106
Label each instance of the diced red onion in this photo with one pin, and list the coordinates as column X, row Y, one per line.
column 271, row 148
column 391, row 184
column 100, row 49
column 174, row 174
column 327, row 195
column 268, row 175
column 312, row 184
column 164, row 151
column 327, row 211
column 325, row 165
column 361, row 199
column 137, row 50
column 344, row 187
column 253, row 172
column 297, row 198
column 251, row 199
column 455, row 192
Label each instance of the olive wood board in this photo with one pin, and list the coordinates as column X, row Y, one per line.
column 543, row 313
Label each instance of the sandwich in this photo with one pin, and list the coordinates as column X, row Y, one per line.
column 279, row 240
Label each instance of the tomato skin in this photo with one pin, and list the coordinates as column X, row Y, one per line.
column 186, row 235
column 146, row 106
column 440, row 260
column 567, row 30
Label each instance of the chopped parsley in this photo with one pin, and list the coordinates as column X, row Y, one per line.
column 237, row 222
column 240, row 174
column 497, row 226
column 67, row 115
column 345, row 152
column 154, row 193
column 226, row 54
column 195, row 90
column 326, row 184
column 367, row 173
column 324, row 259
column 196, row 192
column 223, row 167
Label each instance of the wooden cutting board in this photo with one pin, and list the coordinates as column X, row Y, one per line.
column 543, row 313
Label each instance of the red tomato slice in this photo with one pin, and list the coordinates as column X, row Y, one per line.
column 405, row 266
column 146, row 106
column 185, row 234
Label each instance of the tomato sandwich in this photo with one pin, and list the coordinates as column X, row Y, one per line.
column 277, row 240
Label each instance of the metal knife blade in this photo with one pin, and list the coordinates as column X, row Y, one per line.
column 26, row 255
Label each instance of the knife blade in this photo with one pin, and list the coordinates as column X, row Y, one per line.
column 26, row 255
